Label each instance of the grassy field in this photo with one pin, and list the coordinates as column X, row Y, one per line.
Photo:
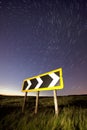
column 72, row 113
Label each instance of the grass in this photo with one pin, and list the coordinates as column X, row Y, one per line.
column 72, row 113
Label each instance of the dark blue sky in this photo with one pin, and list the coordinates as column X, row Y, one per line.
column 37, row 36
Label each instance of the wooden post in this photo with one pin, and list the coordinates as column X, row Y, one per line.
column 37, row 100
column 55, row 103
column 23, row 107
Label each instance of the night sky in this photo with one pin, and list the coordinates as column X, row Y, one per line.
column 37, row 36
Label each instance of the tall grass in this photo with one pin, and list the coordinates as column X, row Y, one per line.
column 72, row 114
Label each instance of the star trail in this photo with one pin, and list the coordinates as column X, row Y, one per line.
column 37, row 36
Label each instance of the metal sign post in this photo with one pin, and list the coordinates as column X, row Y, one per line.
column 55, row 102
column 37, row 101
column 23, row 107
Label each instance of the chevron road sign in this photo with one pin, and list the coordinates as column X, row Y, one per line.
column 48, row 81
